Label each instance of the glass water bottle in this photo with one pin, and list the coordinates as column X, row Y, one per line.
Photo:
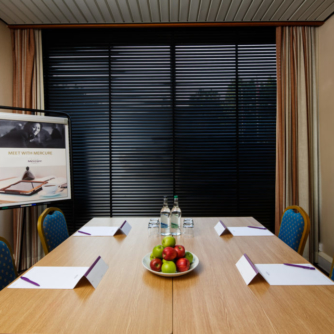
column 175, row 227
column 165, row 218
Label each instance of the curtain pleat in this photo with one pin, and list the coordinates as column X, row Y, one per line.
column 297, row 171
column 27, row 93
column 38, row 70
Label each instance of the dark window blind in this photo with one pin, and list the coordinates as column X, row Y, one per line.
column 141, row 128
column 206, row 129
column 79, row 85
column 256, row 105
column 159, row 112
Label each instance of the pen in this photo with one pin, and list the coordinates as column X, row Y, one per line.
column 84, row 232
column 298, row 266
column 260, row 228
column 29, row 281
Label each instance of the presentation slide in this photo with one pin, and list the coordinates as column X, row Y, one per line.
column 34, row 159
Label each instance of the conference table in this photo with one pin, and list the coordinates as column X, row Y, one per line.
column 213, row 298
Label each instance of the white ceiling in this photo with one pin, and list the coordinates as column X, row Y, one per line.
column 164, row 11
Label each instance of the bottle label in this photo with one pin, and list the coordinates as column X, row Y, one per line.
column 173, row 225
column 164, row 221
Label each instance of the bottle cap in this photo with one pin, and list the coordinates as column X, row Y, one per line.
column 175, row 196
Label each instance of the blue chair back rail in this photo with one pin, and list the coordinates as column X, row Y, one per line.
column 295, row 228
column 52, row 229
column 331, row 274
column 8, row 271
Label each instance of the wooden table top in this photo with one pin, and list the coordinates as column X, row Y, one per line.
column 211, row 299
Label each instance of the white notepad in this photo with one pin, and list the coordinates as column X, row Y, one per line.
column 248, row 231
column 280, row 274
column 61, row 277
column 51, row 278
column 97, row 231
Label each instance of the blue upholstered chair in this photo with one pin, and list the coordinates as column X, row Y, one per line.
column 295, row 228
column 52, row 229
column 8, row 271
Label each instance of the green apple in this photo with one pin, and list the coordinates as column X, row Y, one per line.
column 151, row 257
column 189, row 257
column 157, row 251
column 168, row 267
column 168, row 241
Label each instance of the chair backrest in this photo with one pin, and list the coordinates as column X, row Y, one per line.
column 7, row 266
column 52, row 229
column 295, row 228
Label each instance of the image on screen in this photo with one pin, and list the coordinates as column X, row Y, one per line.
column 34, row 159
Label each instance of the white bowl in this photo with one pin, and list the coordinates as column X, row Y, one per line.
column 146, row 263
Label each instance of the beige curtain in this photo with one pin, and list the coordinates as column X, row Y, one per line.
column 27, row 93
column 297, row 154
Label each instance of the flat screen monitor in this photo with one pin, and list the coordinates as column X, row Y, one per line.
column 34, row 160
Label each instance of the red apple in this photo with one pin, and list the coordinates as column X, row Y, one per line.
column 156, row 264
column 182, row 264
column 169, row 254
column 180, row 250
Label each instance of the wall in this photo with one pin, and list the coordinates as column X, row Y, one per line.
column 326, row 128
column 6, row 83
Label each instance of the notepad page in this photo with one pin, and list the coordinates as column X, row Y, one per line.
column 51, row 278
column 280, row 274
column 97, row 231
column 247, row 231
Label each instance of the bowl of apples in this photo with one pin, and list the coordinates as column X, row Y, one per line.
column 170, row 260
